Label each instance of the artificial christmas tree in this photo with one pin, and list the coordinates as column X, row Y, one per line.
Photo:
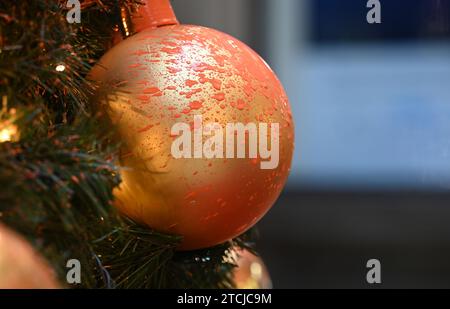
column 60, row 167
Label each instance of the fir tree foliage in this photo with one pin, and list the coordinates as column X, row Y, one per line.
column 57, row 178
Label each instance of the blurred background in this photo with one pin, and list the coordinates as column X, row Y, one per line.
column 371, row 170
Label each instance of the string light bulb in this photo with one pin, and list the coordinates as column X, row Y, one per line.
column 60, row 68
column 9, row 131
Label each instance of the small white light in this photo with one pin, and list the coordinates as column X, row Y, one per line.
column 60, row 68
column 8, row 134
column 256, row 270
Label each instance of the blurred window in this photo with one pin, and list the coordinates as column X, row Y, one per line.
column 337, row 20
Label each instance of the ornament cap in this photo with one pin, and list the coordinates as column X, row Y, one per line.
column 153, row 14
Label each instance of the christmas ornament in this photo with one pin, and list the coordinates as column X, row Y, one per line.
column 20, row 265
column 251, row 272
column 206, row 127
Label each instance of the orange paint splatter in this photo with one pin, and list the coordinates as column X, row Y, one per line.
column 173, row 70
column 195, row 105
column 191, row 93
column 140, row 52
column 172, row 51
column 191, row 83
column 219, row 96
column 220, row 60
column 146, row 128
column 217, row 84
column 248, row 90
column 143, row 97
column 201, row 67
column 240, row 104
column 134, row 65
column 154, row 91
column 169, row 43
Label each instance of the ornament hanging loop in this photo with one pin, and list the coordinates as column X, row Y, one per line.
column 148, row 14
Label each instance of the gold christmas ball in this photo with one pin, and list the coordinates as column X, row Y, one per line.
column 206, row 128
column 21, row 267
column 251, row 272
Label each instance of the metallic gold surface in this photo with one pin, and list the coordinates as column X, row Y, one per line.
column 163, row 76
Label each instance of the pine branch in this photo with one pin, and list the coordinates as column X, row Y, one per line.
column 57, row 180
